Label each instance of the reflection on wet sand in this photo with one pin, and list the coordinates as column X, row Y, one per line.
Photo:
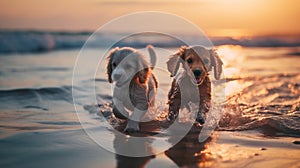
column 125, row 144
column 132, row 162
column 188, row 152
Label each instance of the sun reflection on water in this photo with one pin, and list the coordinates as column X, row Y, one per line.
column 233, row 58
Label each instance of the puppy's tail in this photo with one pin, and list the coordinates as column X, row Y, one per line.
column 152, row 55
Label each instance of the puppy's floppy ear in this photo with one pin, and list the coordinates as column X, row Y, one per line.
column 152, row 56
column 110, row 58
column 216, row 63
column 174, row 61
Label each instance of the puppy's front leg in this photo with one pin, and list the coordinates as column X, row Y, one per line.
column 174, row 102
column 203, row 109
column 134, row 119
column 205, row 100
column 119, row 110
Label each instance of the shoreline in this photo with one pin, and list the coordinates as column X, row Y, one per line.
column 222, row 149
column 253, row 149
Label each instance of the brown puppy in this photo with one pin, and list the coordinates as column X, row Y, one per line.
column 197, row 61
column 135, row 84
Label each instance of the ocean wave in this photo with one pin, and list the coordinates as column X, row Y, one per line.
column 29, row 98
column 39, row 69
column 270, row 104
column 39, row 41
column 259, row 41
column 33, row 41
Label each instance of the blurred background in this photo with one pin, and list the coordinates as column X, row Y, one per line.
column 258, row 41
column 216, row 17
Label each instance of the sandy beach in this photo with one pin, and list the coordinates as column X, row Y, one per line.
column 253, row 149
column 223, row 149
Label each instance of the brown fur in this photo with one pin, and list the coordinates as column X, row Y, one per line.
column 197, row 62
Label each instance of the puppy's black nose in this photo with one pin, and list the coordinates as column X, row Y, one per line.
column 197, row 72
column 117, row 76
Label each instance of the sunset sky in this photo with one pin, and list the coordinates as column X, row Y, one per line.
column 216, row 17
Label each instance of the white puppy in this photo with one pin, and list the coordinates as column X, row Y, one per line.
column 135, row 84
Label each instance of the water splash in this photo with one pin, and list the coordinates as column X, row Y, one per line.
column 270, row 104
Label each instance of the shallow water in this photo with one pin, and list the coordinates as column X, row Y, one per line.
column 261, row 86
column 270, row 103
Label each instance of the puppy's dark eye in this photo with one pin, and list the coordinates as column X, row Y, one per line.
column 189, row 60
column 205, row 61
column 114, row 64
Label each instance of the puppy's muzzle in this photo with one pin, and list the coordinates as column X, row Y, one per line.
column 117, row 77
column 199, row 76
column 197, row 73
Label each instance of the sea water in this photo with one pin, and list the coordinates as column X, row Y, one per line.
column 39, row 122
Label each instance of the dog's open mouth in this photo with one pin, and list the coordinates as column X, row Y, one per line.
column 197, row 80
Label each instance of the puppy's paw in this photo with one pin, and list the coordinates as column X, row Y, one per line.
column 120, row 115
column 172, row 116
column 132, row 126
column 201, row 118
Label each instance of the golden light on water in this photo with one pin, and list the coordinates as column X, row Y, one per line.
column 234, row 87
column 232, row 57
column 234, row 33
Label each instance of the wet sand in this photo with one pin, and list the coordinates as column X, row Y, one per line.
column 253, row 149
column 222, row 149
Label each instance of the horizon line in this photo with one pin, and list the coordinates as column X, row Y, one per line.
column 88, row 31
